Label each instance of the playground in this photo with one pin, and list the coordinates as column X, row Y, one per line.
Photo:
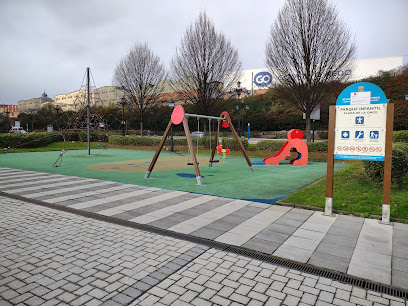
column 231, row 177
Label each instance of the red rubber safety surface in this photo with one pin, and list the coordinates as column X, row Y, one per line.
column 177, row 115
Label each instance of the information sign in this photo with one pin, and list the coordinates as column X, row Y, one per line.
column 361, row 113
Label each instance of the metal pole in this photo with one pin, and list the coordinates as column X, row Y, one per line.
column 252, row 84
column 171, row 139
column 239, row 117
column 203, row 116
column 88, row 114
column 123, row 120
column 313, row 130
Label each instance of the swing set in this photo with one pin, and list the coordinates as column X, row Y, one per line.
column 179, row 116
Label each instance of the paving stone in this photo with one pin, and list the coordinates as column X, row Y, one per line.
column 81, row 300
column 97, row 293
column 326, row 296
column 67, row 297
column 123, row 299
column 279, row 228
column 340, row 240
column 208, row 233
column 333, row 249
column 261, row 245
column 329, row 261
column 219, row 300
column 400, row 264
column 34, row 300
column 291, row 300
column 309, row 299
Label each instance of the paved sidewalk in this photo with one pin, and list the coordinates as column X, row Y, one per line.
column 357, row 246
column 50, row 257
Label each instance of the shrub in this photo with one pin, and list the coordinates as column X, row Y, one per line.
column 322, row 134
column 375, row 170
column 400, row 136
column 270, row 145
column 94, row 136
column 231, row 143
column 320, row 146
column 31, row 140
column 133, row 141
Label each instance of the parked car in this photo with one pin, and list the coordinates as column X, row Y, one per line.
column 17, row 130
column 197, row 134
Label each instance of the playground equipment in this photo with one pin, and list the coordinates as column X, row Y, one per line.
column 223, row 151
column 179, row 116
column 294, row 141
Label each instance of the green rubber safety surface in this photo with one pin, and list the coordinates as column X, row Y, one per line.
column 231, row 177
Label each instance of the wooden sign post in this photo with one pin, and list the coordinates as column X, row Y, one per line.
column 361, row 128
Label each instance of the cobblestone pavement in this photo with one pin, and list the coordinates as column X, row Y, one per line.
column 356, row 246
column 50, row 257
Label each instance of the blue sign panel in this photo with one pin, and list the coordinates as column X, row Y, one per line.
column 263, row 78
column 377, row 94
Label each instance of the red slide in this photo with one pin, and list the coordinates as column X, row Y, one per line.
column 294, row 141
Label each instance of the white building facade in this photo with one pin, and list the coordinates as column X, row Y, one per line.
column 259, row 80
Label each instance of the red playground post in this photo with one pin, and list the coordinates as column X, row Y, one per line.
column 294, row 141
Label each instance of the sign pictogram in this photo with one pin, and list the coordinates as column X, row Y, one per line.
column 359, row 135
column 360, row 120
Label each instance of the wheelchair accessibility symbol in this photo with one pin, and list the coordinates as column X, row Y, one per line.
column 263, row 78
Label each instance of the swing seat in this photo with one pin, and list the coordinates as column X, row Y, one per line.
column 214, row 161
column 192, row 164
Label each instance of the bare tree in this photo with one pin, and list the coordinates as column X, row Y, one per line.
column 139, row 74
column 205, row 66
column 310, row 49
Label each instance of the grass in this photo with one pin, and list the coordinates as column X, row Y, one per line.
column 354, row 192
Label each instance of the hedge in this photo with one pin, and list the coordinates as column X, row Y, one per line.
column 375, row 169
column 231, row 143
column 205, row 142
column 401, row 136
column 31, row 140
column 271, row 145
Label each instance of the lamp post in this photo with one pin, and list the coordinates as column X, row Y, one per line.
column 58, row 108
column 122, row 103
column 7, row 112
column 171, row 105
column 238, row 92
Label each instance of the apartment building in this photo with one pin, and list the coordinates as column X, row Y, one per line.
column 103, row 96
column 34, row 104
column 10, row 110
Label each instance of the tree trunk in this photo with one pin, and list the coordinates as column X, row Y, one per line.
column 141, row 124
column 308, row 127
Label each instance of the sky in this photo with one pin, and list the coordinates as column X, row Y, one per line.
column 46, row 45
